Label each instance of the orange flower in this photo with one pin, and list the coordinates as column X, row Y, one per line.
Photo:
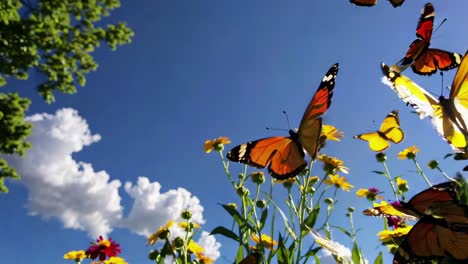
column 339, row 182
column 216, row 144
column 267, row 241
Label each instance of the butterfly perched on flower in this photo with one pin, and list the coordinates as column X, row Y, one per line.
column 284, row 155
column 442, row 230
column 425, row 60
column 389, row 131
column 449, row 115
column 395, row 3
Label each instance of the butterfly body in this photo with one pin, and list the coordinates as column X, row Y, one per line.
column 283, row 155
column 425, row 60
column 389, row 131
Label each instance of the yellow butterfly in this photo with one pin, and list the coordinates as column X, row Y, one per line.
column 389, row 131
column 449, row 115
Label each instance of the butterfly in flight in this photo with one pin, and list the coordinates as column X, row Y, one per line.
column 395, row 3
column 285, row 155
column 389, row 131
column 441, row 234
column 449, row 115
column 425, row 60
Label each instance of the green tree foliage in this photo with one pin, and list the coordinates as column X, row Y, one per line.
column 55, row 38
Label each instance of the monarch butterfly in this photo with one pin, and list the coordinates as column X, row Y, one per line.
column 285, row 154
column 395, row 3
column 442, row 230
column 423, row 60
column 389, row 131
column 449, row 115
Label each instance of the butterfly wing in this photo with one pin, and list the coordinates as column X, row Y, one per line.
column 426, row 23
column 458, row 99
column 425, row 105
column 396, row 3
column 390, row 128
column 389, row 131
column 311, row 125
column 283, row 154
column 432, row 239
column 430, row 60
column 363, row 2
column 387, row 211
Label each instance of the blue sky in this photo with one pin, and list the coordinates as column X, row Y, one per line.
column 202, row 69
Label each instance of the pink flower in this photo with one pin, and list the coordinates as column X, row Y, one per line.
column 103, row 248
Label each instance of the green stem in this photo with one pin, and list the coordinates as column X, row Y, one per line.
column 421, row 172
column 387, row 175
column 444, row 174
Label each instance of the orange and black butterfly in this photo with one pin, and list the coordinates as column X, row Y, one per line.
column 395, row 3
column 441, row 234
column 424, row 60
column 285, row 155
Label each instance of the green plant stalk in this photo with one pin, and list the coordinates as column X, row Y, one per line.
column 421, row 172
column 387, row 175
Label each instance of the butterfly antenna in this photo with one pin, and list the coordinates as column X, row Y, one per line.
column 442, row 80
column 287, row 118
column 441, row 23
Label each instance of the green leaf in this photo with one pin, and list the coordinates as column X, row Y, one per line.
column 263, row 218
column 379, row 172
column 225, row 232
column 283, row 254
column 356, row 254
column 344, row 231
column 243, row 224
column 379, row 258
column 310, row 220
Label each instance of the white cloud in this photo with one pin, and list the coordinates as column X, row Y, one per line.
column 81, row 198
column 153, row 208
column 60, row 187
column 210, row 245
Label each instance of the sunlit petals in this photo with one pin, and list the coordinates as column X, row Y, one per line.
column 215, row 144
column 103, row 248
column 331, row 133
column 339, row 182
column 402, row 184
column 115, row 260
column 204, row 259
column 371, row 194
column 162, row 233
column 77, row 256
column 267, row 241
column 185, row 225
column 388, row 236
column 195, row 248
column 408, row 153
column 332, row 164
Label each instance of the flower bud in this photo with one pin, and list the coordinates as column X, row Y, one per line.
column 381, row 157
column 258, row 177
column 433, row 164
column 261, row 203
column 186, row 214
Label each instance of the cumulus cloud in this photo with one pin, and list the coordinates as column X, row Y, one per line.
column 84, row 199
column 60, row 187
column 153, row 208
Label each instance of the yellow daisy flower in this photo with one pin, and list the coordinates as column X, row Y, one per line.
column 408, row 153
column 204, row 259
column 331, row 133
column 195, row 248
column 387, row 236
column 162, row 233
column 339, row 182
column 216, row 144
column 115, row 260
column 402, row 184
column 77, row 256
column 371, row 194
column 267, row 241
column 185, row 225
column 332, row 164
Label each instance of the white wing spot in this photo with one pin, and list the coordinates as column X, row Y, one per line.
column 327, row 78
column 242, row 150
